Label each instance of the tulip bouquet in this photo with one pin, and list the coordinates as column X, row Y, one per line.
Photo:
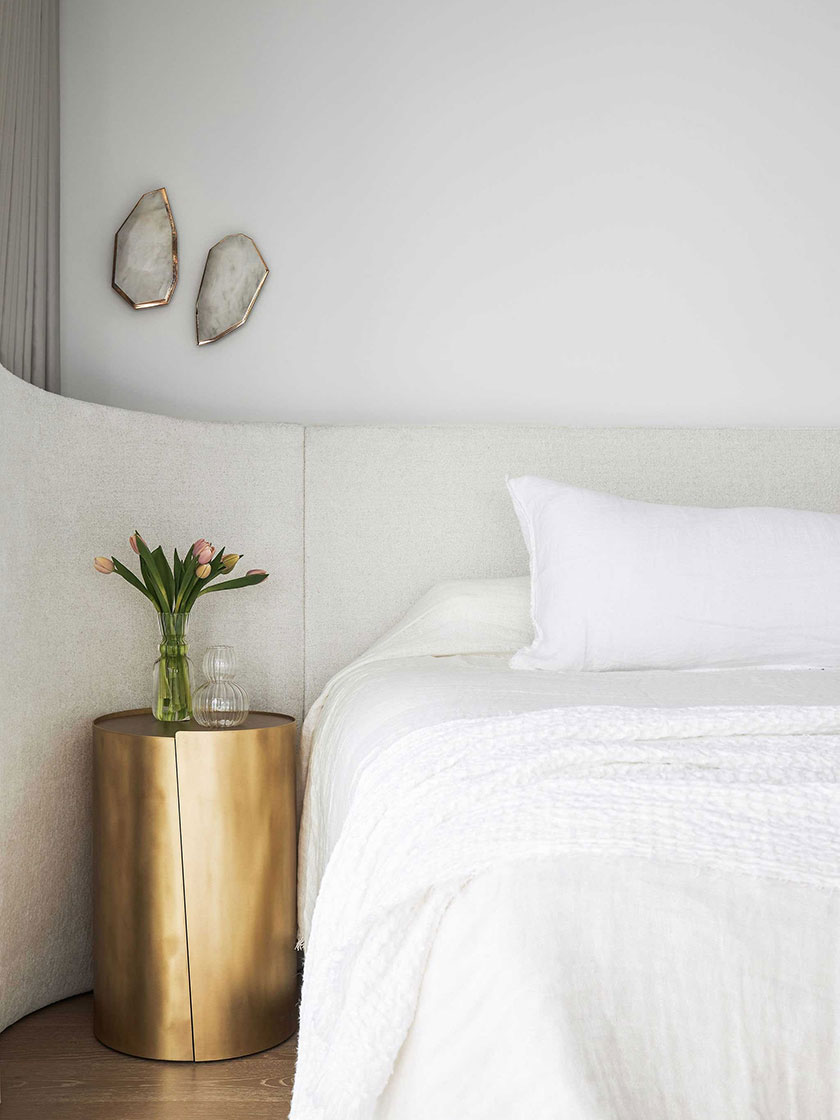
column 173, row 590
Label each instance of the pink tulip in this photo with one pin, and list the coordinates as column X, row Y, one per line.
column 257, row 572
column 199, row 546
column 205, row 556
column 103, row 565
column 132, row 540
column 203, row 571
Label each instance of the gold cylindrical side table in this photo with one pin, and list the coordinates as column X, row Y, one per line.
column 194, row 886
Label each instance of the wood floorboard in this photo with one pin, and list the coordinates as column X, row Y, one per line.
column 52, row 1068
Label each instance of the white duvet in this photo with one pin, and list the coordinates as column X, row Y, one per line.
column 590, row 897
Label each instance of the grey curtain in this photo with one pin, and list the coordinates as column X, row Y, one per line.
column 29, row 342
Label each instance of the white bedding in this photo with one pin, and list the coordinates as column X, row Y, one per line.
column 615, row 989
column 486, row 969
column 387, row 694
column 622, row 584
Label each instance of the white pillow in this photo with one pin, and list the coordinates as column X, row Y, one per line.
column 620, row 584
column 461, row 616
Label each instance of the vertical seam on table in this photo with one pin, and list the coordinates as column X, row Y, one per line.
column 303, row 575
column 184, row 894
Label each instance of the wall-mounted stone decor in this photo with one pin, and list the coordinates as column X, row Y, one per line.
column 233, row 276
column 145, row 268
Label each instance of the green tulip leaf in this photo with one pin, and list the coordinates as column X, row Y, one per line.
column 230, row 584
column 131, row 578
column 151, row 575
column 165, row 573
column 187, row 579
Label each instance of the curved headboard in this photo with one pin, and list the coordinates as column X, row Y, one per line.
column 76, row 480
column 354, row 523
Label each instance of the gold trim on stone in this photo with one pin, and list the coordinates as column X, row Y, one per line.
column 155, row 302
column 235, row 326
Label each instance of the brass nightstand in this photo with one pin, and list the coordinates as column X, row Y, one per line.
column 194, row 887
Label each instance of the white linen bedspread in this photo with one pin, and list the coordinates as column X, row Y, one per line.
column 747, row 793
column 585, row 988
column 399, row 686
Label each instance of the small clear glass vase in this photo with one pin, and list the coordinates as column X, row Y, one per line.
column 172, row 690
column 220, row 701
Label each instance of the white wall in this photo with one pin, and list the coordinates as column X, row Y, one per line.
column 566, row 210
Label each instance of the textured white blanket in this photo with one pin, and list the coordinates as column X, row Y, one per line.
column 751, row 790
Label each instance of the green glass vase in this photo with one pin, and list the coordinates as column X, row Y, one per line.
column 172, row 700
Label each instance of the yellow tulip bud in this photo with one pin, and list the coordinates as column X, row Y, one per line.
column 229, row 561
column 203, row 571
column 103, row 565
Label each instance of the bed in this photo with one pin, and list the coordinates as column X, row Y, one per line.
column 358, row 522
column 468, row 959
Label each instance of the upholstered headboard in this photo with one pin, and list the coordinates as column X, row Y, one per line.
column 389, row 511
column 354, row 523
column 76, row 479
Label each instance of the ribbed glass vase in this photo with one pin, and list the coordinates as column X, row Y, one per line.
column 220, row 701
column 172, row 689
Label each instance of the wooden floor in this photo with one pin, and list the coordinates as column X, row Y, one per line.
column 52, row 1068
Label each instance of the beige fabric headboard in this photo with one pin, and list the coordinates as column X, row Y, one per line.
column 392, row 510
column 354, row 523
column 76, row 479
